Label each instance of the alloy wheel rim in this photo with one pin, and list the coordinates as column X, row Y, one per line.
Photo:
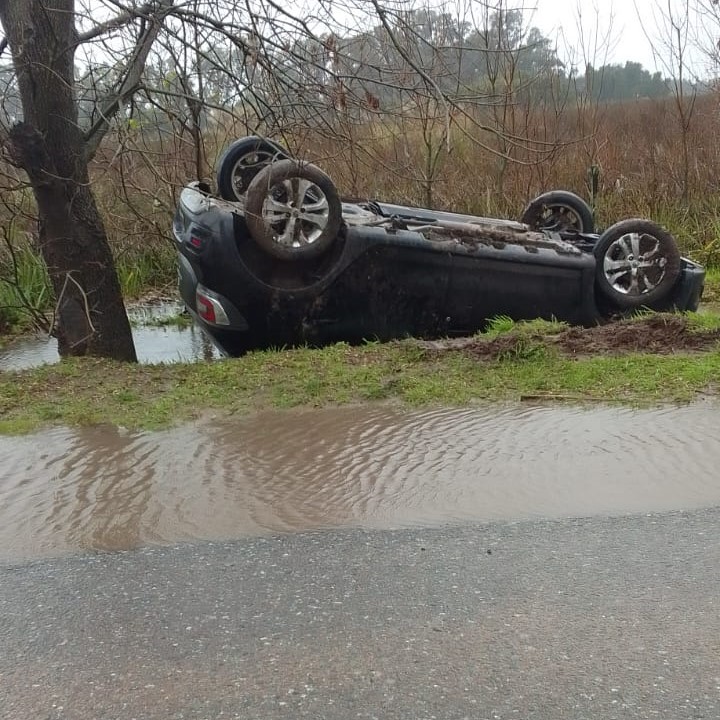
column 297, row 210
column 634, row 264
column 560, row 217
column 250, row 162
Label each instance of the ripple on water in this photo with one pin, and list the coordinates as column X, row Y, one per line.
column 106, row 488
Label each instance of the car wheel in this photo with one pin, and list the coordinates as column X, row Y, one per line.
column 559, row 211
column 638, row 263
column 293, row 210
column 242, row 161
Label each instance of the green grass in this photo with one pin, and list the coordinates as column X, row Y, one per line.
column 149, row 268
column 178, row 320
column 23, row 282
column 81, row 392
column 711, row 294
column 502, row 324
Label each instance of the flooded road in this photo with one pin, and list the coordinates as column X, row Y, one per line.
column 67, row 490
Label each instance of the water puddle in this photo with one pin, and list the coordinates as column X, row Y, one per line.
column 155, row 342
column 66, row 490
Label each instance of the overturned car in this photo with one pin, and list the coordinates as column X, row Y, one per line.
column 275, row 259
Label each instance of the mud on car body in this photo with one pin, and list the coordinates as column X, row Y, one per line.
column 274, row 258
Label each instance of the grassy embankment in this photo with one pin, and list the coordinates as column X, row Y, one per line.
column 525, row 362
column 636, row 145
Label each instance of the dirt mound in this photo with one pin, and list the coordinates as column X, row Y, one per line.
column 657, row 334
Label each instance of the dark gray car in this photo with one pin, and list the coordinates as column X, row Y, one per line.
column 275, row 258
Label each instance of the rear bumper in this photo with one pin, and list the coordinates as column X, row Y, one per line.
column 229, row 332
column 689, row 290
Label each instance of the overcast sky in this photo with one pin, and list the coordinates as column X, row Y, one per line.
column 595, row 31
column 591, row 21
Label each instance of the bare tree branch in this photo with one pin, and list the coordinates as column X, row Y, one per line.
column 119, row 21
column 131, row 81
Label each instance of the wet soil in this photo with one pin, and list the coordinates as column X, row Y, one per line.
column 661, row 334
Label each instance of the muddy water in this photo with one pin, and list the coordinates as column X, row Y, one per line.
column 105, row 488
column 154, row 343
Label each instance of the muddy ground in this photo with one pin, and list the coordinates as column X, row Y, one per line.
column 657, row 334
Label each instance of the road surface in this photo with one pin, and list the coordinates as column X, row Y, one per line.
column 595, row 618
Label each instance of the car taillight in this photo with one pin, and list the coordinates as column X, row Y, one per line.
column 205, row 309
column 210, row 309
column 196, row 242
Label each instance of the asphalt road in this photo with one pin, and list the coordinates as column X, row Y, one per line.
column 596, row 618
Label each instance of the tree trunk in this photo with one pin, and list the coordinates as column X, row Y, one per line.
column 49, row 145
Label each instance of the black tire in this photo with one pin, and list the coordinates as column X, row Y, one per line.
column 242, row 161
column 559, row 211
column 638, row 263
column 293, row 210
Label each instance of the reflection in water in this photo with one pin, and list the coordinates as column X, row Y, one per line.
column 106, row 488
column 154, row 344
